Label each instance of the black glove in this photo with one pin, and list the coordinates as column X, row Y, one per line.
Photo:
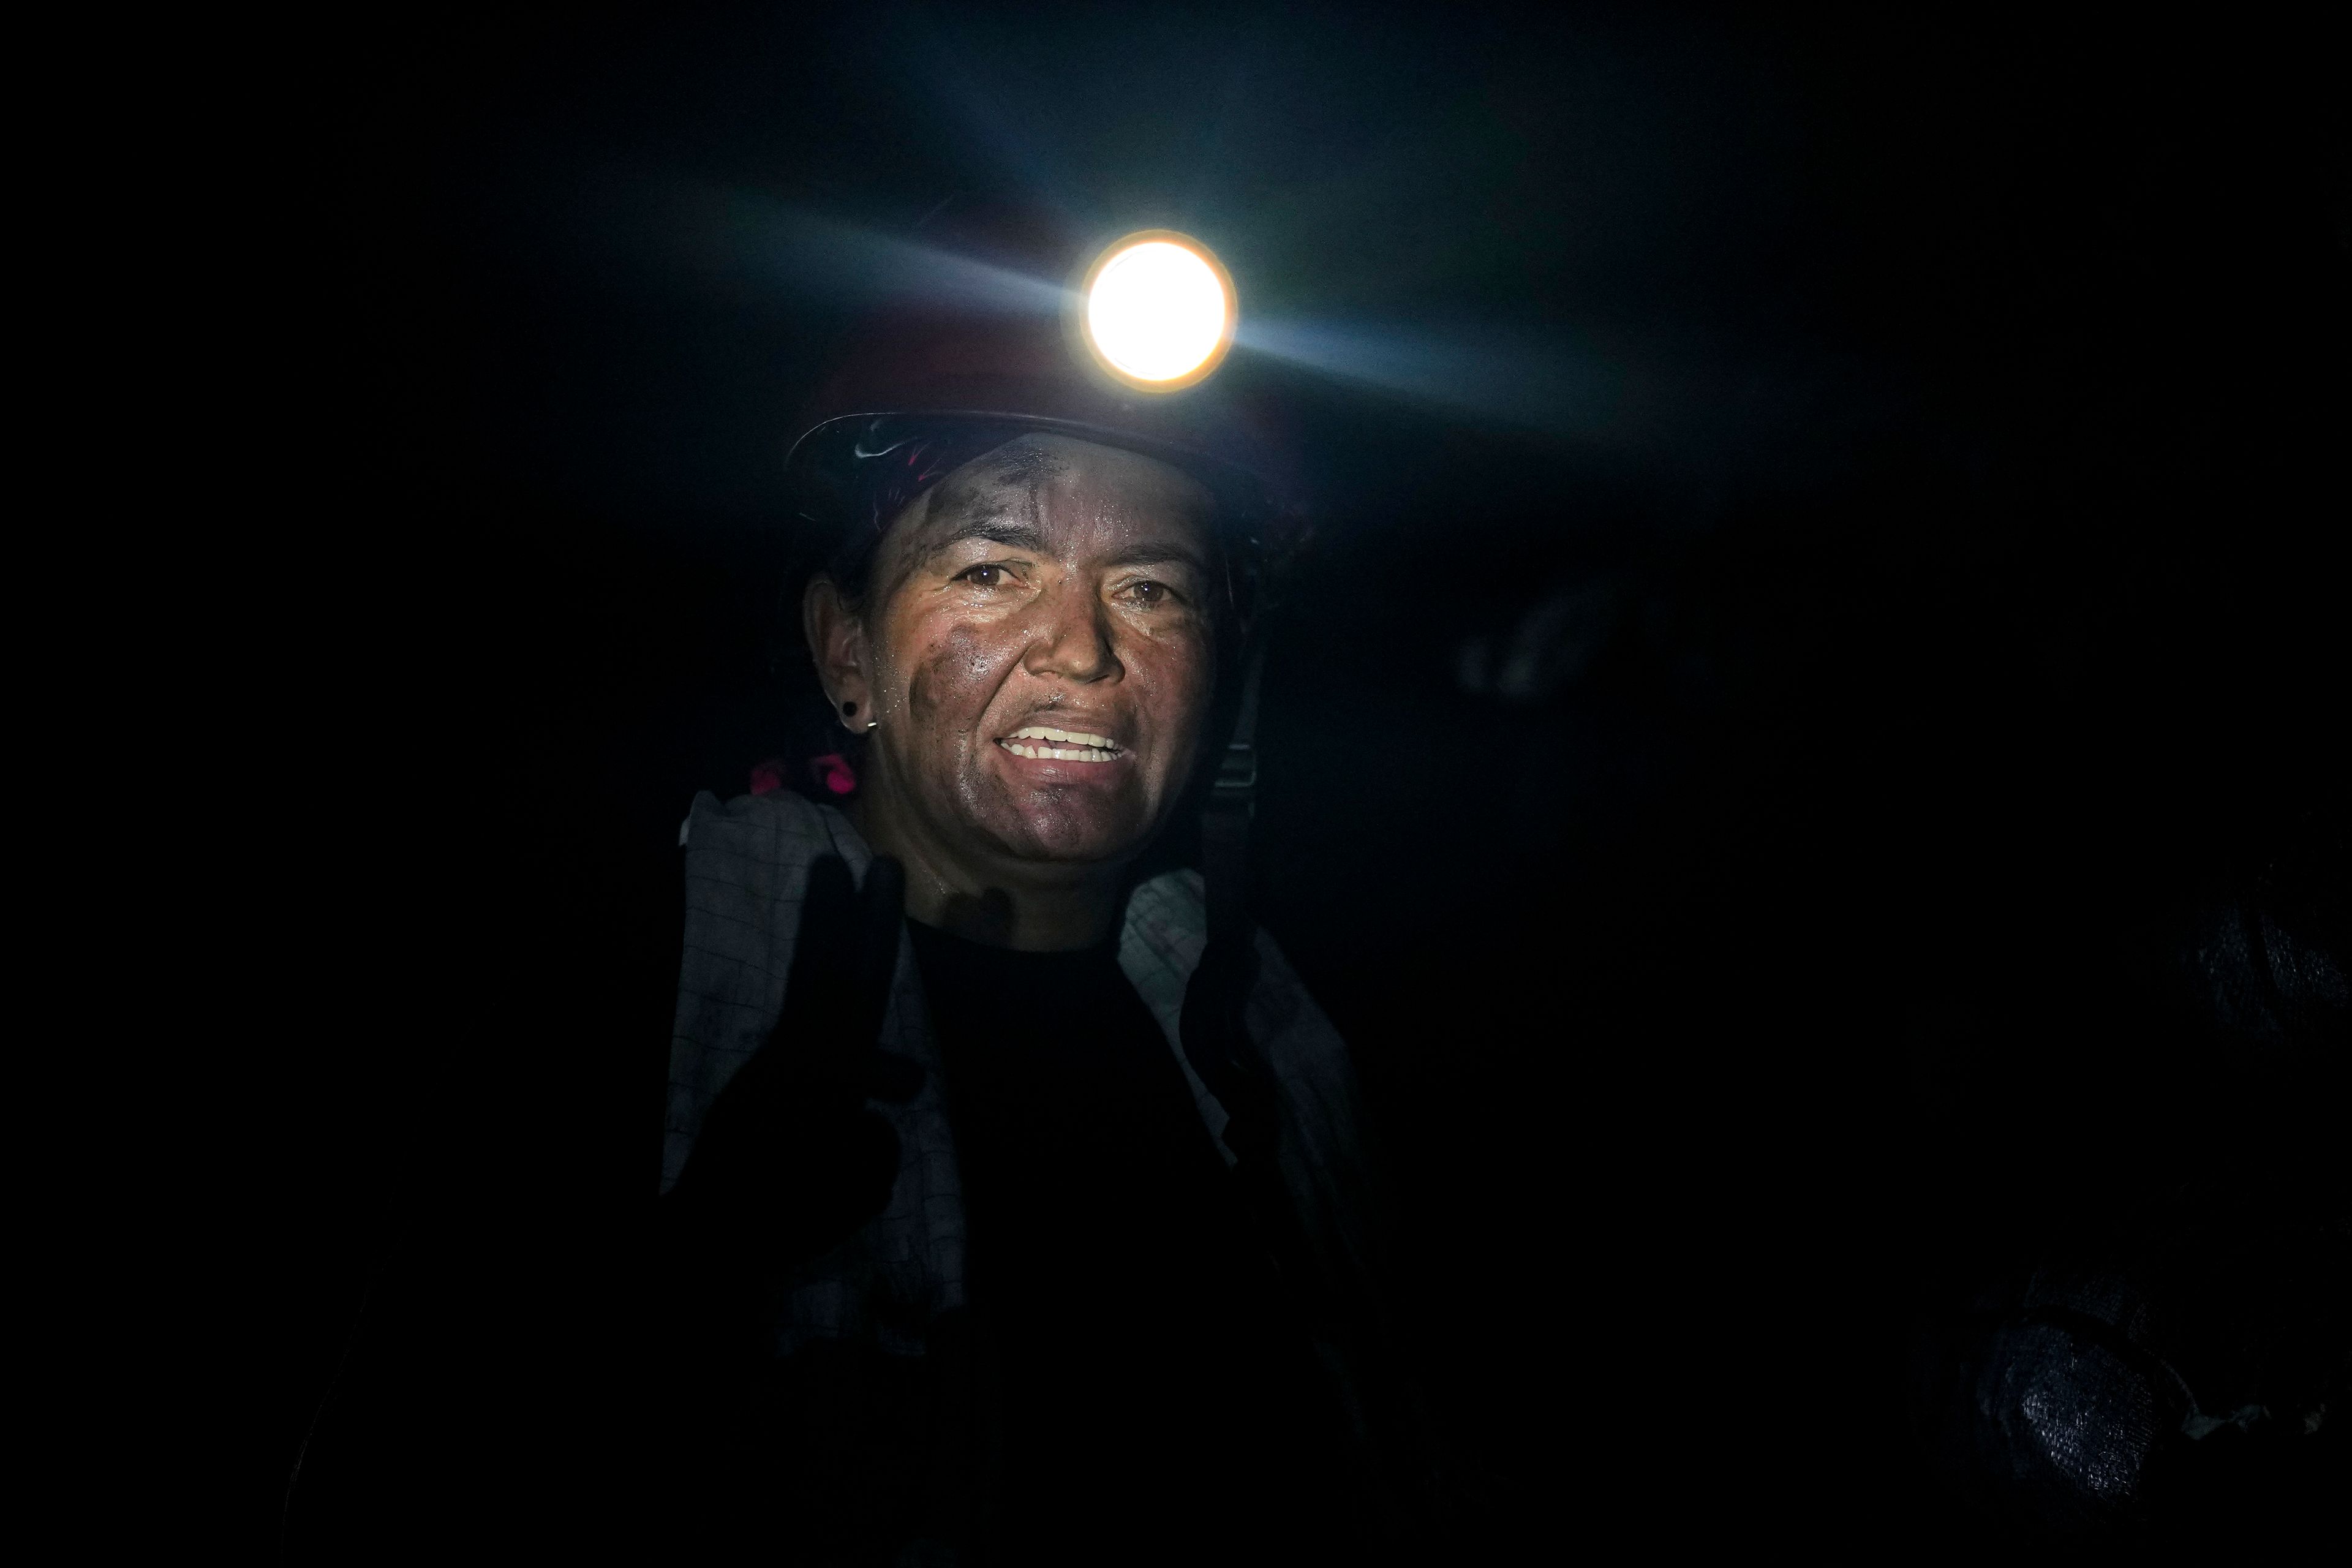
column 791, row 1161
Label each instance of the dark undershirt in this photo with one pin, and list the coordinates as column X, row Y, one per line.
column 1156, row 1393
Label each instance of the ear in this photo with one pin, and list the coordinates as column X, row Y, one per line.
column 836, row 641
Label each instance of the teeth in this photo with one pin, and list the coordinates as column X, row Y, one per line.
column 1059, row 754
column 1068, row 737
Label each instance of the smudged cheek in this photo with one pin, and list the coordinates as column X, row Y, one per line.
column 952, row 679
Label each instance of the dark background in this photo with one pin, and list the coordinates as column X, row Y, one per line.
column 1826, row 556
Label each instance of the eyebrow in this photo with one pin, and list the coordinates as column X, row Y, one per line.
column 995, row 530
column 1023, row 536
column 1160, row 553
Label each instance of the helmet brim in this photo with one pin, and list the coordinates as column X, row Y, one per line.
column 820, row 469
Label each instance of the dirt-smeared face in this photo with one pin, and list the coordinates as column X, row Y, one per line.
column 1040, row 652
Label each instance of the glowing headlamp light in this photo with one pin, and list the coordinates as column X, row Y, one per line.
column 1157, row 311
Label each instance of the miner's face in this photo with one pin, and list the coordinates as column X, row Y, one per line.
column 1041, row 643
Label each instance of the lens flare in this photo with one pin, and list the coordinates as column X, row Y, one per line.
column 1158, row 310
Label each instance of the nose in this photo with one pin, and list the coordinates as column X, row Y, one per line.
column 1069, row 636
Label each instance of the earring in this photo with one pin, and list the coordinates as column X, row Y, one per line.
column 849, row 709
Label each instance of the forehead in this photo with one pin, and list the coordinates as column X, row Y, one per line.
column 1077, row 494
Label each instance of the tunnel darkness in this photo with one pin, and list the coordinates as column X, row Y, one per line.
column 1804, row 762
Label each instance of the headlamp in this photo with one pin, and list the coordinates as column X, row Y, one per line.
column 1157, row 311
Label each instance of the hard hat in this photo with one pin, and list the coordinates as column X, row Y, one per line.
column 1115, row 340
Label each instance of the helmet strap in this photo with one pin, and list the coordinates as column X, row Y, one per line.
column 1225, row 818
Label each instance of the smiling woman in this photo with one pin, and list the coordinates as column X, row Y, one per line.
column 1132, row 1201
column 1050, row 590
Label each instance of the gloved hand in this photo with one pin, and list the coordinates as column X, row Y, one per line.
column 791, row 1161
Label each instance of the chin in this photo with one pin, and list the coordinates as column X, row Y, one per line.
column 1054, row 835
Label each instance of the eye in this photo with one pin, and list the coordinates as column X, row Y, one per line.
column 987, row 574
column 1149, row 594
